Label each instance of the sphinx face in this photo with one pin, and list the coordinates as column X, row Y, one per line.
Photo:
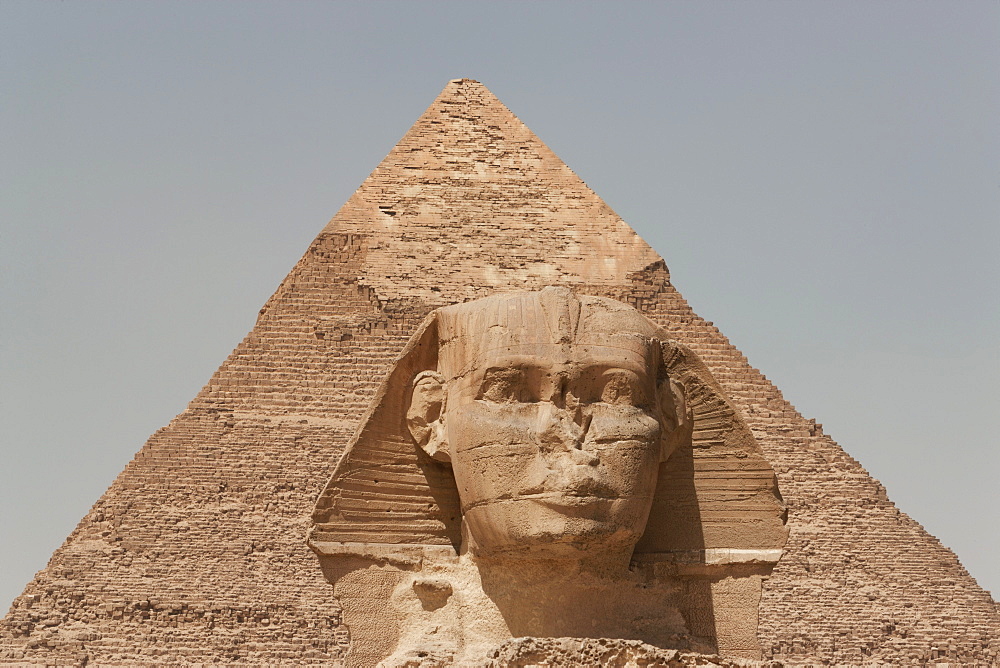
column 555, row 447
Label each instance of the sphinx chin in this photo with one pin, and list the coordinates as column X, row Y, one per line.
column 568, row 529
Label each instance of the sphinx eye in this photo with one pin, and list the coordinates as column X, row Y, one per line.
column 621, row 387
column 503, row 385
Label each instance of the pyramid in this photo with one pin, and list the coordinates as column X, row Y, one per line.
column 197, row 552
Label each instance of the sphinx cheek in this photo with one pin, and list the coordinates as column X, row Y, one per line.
column 493, row 450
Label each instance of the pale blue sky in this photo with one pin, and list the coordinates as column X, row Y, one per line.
column 823, row 180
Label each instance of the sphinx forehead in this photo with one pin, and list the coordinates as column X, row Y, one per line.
column 553, row 324
column 551, row 315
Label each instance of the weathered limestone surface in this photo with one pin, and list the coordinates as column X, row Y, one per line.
column 530, row 652
column 576, row 652
column 197, row 551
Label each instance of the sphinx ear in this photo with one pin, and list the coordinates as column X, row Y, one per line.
column 425, row 415
column 677, row 419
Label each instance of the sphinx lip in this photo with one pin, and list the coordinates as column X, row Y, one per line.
column 566, row 499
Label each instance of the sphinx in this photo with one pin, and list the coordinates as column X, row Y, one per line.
column 547, row 464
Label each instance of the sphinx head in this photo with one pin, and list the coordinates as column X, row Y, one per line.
column 554, row 412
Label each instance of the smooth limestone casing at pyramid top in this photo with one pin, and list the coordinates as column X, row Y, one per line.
column 197, row 552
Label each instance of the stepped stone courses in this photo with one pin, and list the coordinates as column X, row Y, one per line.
column 197, row 552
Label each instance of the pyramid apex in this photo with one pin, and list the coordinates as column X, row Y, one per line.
column 464, row 86
column 468, row 148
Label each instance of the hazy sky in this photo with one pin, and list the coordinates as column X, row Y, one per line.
column 823, row 180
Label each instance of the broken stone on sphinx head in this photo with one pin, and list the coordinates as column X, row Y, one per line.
column 554, row 411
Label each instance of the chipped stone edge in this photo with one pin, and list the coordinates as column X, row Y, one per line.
column 715, row 556
column 397, row 554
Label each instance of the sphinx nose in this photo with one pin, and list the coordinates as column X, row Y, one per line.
column 562, row 428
